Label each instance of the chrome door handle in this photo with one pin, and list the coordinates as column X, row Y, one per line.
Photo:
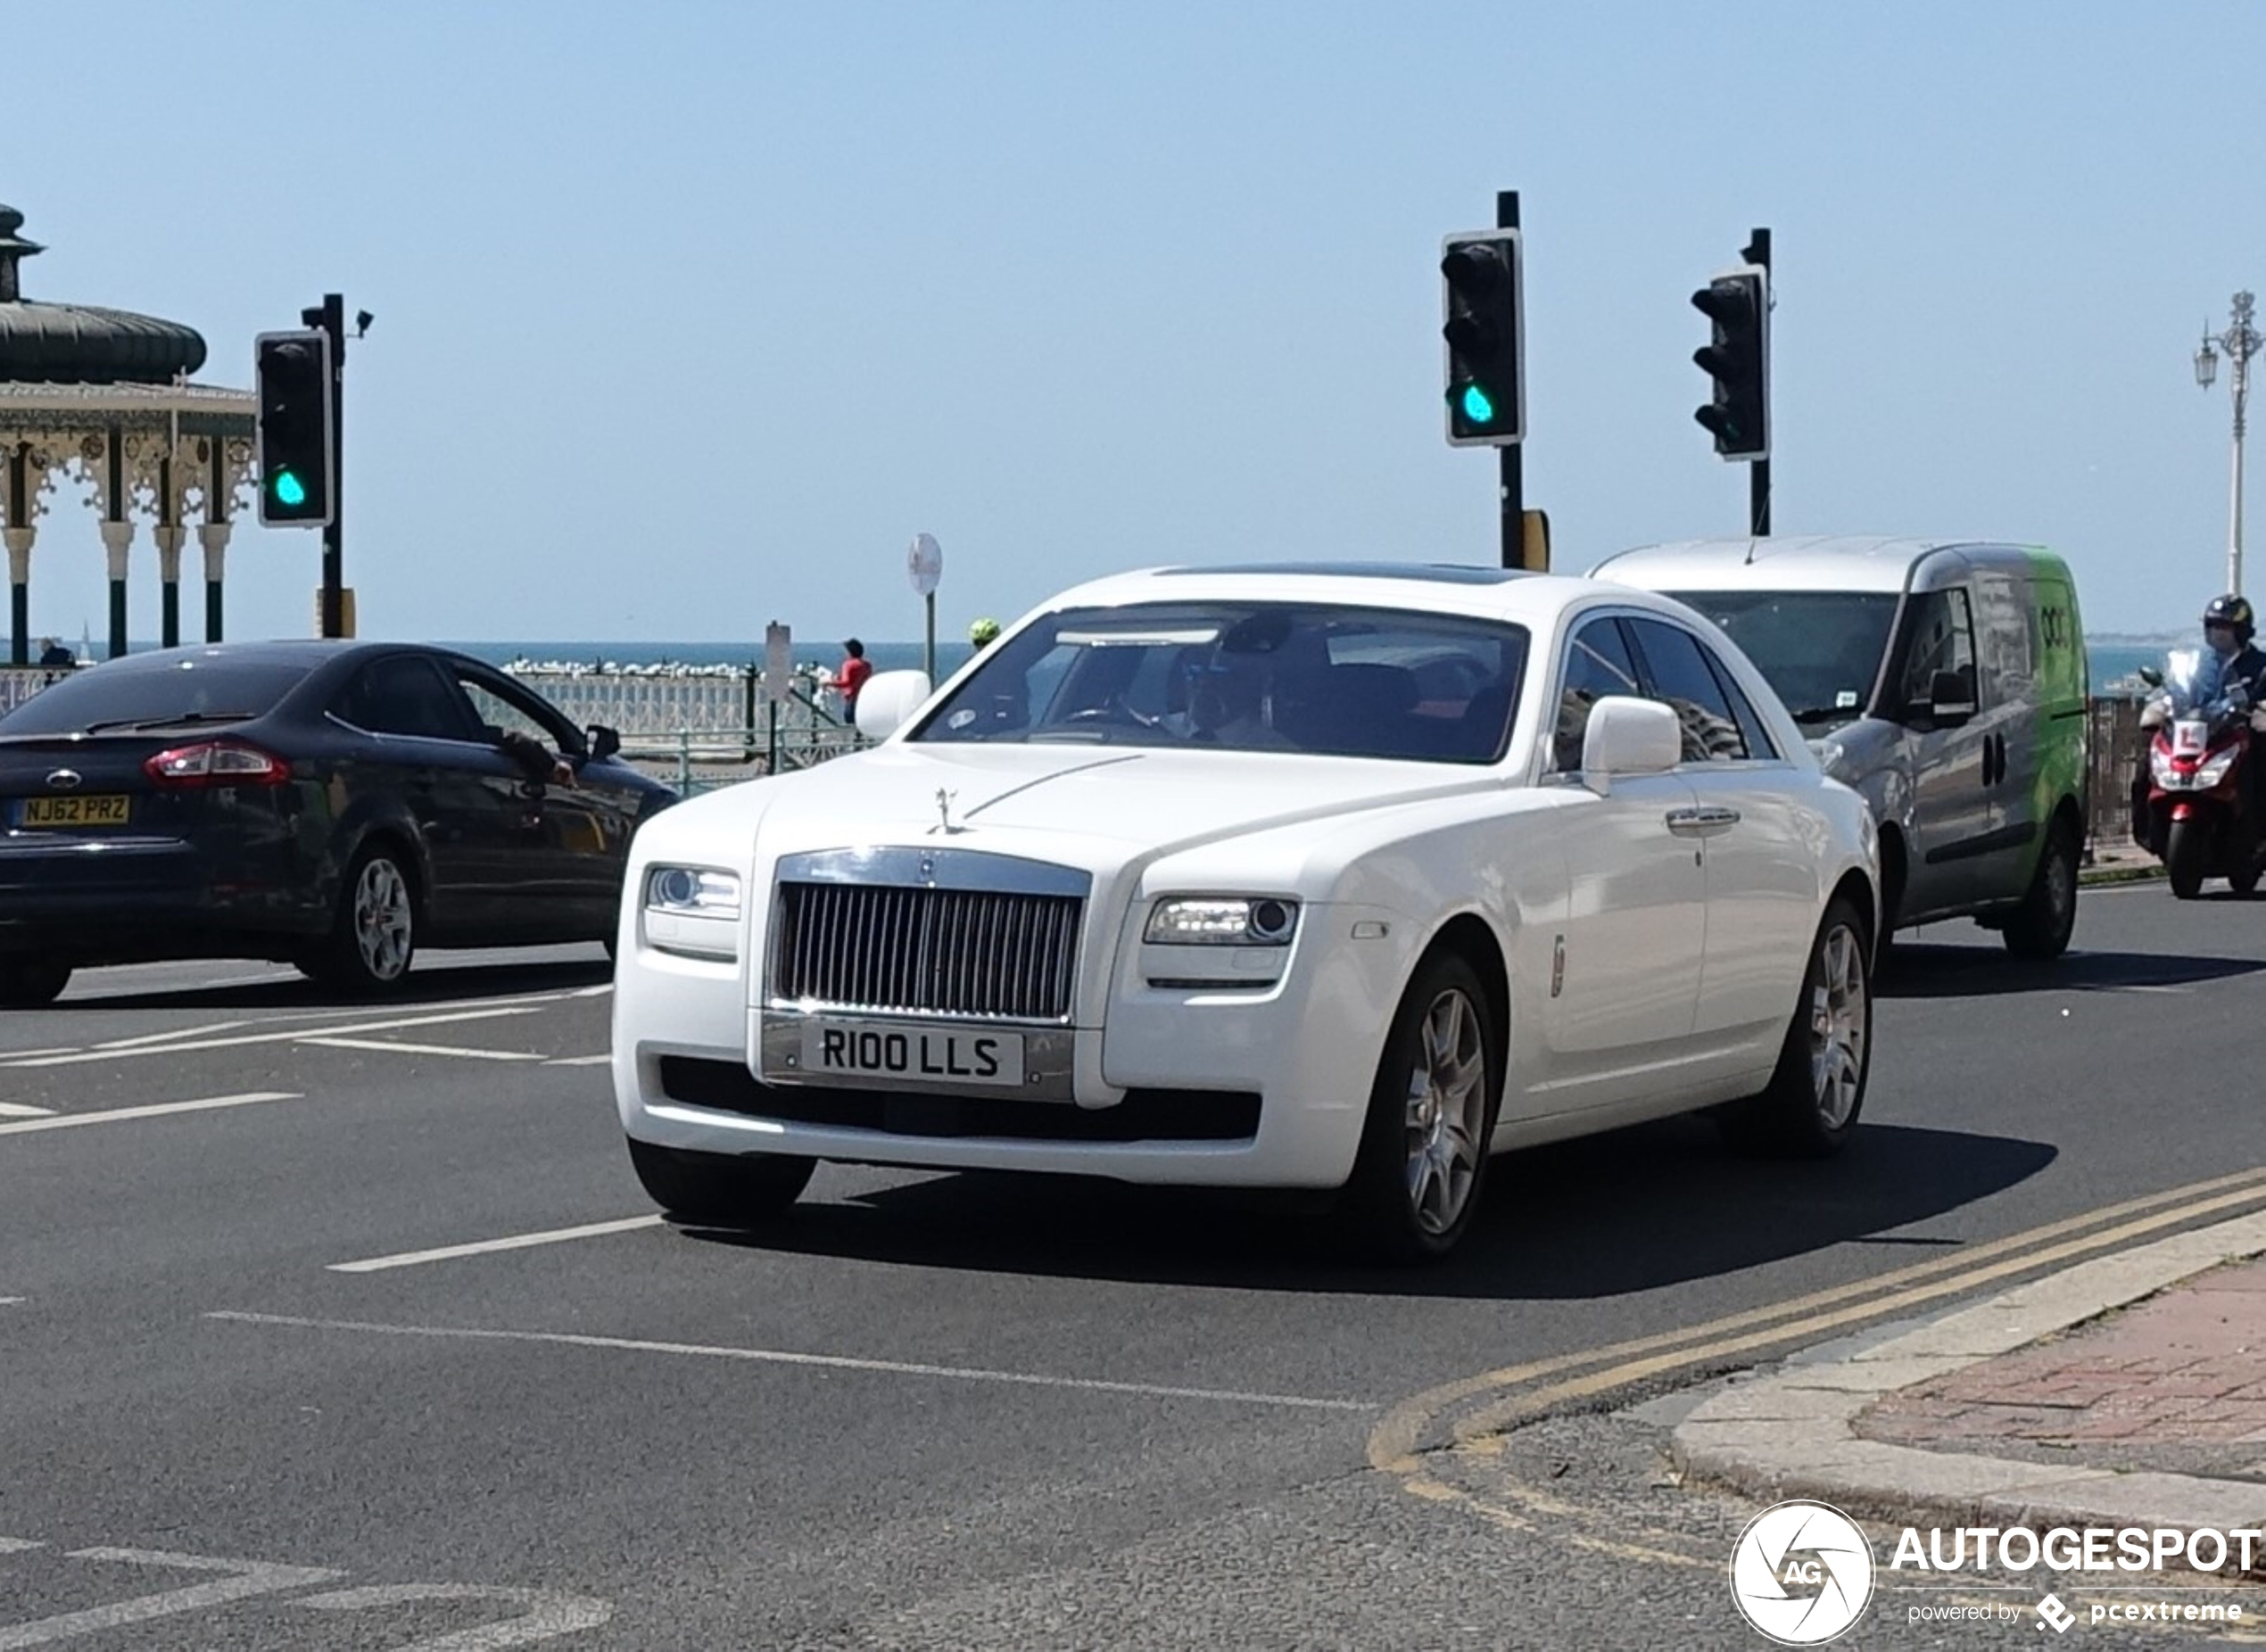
column 1702, row 822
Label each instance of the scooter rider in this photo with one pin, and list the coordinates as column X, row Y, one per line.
column 2229, row 624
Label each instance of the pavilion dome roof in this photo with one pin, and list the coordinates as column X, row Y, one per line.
column 44, row 343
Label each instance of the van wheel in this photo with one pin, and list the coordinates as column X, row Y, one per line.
column 2040, row 926
column 1811, row 1105
column 719, row 1190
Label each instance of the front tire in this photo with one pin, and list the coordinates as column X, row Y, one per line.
column 1422, row 1165
column 32, row 984
column 1811, row 1105
column 719, row 1190
column 2041, row 925
column 2184, row 855
column 373, row 937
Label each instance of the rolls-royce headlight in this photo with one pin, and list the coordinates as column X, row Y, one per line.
column 1254, row 920
column 693, row 892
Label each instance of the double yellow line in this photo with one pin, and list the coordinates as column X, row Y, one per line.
column 1471, row 1416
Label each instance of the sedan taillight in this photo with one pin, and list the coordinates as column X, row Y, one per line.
column 216, row 763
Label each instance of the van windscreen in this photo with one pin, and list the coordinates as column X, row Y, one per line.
column 1820, row 649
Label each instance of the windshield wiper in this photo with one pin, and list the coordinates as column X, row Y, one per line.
column 174, row 721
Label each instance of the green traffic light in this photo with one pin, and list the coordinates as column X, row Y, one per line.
column 1478, row 405
column 289, row 490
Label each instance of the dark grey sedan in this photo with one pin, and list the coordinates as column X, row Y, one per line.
column 331, row 805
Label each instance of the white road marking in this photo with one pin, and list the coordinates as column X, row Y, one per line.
column 171, row 1032
column 66, row 1121
column 250, row 1577
column 580, row 1061
column 4, row 1302
column 517, row 1242
column 347, row 1027
column 20, row 1110
column 60, row 1049
column 333, row 1043
column 838, row 1362
column 545, row 1613
column 19, row 1545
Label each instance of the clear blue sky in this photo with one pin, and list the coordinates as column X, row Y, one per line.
column 689, row 315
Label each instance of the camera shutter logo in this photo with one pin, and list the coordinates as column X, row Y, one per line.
column 1801, row 1573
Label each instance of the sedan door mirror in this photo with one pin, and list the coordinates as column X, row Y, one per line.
column 887, row 700
column 1627, row 736
column 603, row 742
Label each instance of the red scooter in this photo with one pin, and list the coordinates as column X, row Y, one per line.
column 2196, row 817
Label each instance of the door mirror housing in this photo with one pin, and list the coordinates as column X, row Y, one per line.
column 887, row 701
column 2150, row 675
column 603, row 742
column 1628, row 736
column 1950, row 701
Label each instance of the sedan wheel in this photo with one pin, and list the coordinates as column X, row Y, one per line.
column 33, row 985
column 374, row 936
column 1818, row 1089
column 1423, row 1158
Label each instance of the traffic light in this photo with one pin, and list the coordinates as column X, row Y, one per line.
column 1738, row 359
column 297, row 446
column 1484, row 323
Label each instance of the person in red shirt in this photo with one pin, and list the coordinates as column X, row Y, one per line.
column 850, row 677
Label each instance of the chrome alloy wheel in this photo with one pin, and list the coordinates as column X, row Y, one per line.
column 382, row 917
column 1837, row 1027
column 1447, row 1109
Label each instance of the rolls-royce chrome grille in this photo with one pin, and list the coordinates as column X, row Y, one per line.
column 946, row 945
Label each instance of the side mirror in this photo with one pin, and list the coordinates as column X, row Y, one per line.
column 2150, row 675
column 887, row 700
column 603, row 742
column 1949, row 698
column 1627, row 736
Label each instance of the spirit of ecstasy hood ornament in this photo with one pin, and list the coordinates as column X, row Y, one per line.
column 944, row 812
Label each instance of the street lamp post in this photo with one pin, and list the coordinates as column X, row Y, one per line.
column 2241, row 342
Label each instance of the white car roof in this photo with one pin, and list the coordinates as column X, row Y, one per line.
column 1816, row 562
column 1537, row 600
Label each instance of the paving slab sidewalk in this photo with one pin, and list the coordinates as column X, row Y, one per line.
column 2126, row 1391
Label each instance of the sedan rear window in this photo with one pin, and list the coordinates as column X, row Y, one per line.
column 189, row 691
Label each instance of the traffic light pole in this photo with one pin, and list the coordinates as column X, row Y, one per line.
column 1513, row 472
column 331, row 317
column 1757, row 251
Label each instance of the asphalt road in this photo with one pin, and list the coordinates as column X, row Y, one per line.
column 271, row 1375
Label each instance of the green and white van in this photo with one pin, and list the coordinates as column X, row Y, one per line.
column 1943, row 679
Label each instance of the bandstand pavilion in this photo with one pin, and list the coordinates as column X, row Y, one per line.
column 104, row 400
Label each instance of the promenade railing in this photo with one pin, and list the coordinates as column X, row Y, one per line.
column 699, row 731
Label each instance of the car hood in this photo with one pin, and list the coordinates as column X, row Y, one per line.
column 1014, row 799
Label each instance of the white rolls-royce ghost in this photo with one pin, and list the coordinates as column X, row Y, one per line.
column 1329, row 876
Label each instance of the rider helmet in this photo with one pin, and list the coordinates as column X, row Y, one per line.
column 2234, row 613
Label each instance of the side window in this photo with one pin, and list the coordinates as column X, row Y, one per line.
column 1596, row 664
column 1682, row 680
column 1941, row 637
column 503, row 708
column 1759, row 744
column 404, row 694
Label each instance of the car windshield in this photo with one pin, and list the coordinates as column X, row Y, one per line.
column 147, row 693
column 1819, row 649
column 1248, row 677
